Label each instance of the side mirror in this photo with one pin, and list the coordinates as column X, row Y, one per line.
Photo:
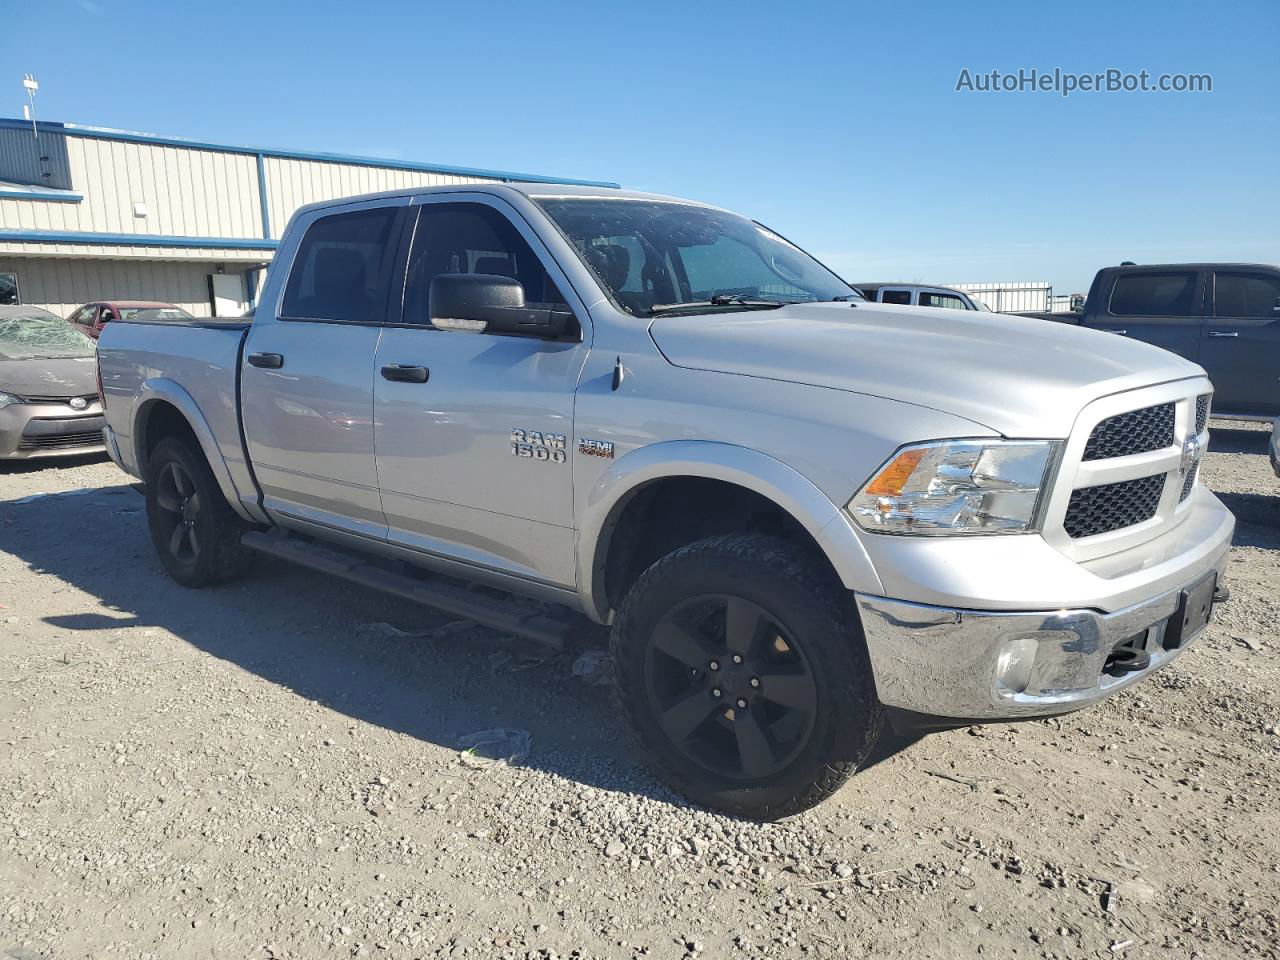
column 483, row 302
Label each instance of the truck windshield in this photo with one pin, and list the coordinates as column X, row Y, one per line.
column 682, row 257
column 41, row 338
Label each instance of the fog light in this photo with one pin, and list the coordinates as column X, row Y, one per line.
column 1014, row 665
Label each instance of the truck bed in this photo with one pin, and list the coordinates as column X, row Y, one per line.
column 193, row 365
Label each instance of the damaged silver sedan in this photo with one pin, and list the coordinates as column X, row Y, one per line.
column 49, row 402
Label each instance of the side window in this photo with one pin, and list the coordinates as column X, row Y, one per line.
column 81, row 316
column 469, row 238
column 342, row 267
column 1154, row 295
column 9, row 288
column 1246, row 295
column 902, row 297
column 108, row 314
column 949, row 300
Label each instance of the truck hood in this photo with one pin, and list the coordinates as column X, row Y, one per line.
column 67, row 377
column 1019, row 376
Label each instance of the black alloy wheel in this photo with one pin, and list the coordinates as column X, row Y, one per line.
column 729, row 688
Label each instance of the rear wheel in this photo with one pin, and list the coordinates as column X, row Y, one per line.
column 193, row 528
column 744, row 676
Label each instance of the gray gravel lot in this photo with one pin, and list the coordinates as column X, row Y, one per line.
column 271, row 769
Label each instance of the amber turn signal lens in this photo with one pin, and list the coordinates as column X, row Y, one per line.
column 890, row 481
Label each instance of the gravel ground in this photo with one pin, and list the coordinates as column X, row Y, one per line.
column 272, row 769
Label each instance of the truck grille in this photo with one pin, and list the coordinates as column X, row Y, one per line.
column 1129, row 469
column 1112, row 506
column 1202, row 411
column 1189, row 484
column 1138, row 431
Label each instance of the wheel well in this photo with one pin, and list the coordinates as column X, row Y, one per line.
column 162, row 419
column 667, row 514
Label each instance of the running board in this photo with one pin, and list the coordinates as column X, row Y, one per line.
column 505, row 615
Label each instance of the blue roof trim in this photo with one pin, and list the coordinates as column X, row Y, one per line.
column 130, row 136
column 34, row 191
column 134, row 239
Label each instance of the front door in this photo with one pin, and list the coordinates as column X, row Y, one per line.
column 1161, row 307
column 308, row 372
column 474, row 431
column 1241, row 350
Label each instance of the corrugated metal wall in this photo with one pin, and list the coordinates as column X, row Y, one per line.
column 294, row 183
column 187, row 193
column 20, row 154
column 63, row 284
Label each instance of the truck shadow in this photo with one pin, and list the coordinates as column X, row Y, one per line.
column 347, row 648
column 1238, row 440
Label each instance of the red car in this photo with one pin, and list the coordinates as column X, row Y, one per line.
column 92, row 317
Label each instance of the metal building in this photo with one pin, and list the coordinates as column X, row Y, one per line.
column 89, row 213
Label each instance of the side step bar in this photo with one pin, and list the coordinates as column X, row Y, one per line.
column 505, row 615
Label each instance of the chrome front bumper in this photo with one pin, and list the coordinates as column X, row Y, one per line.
column 978, row 665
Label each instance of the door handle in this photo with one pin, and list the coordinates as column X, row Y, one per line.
column 405, row 373
column 1123, row 333
column 268, row 361
column 1223, row 333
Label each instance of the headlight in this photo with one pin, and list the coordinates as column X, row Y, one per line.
column 957, row 486
column 8, row 398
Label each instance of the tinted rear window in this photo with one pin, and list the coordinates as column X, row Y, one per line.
column 1247, row 295
column 1154, row 295
column 902, row 297
column 340, row 272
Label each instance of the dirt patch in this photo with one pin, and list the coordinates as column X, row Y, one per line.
column 292, row 767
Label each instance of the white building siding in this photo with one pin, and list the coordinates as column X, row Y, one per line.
column 192, row 193
column 293, row 183
column 61, row 285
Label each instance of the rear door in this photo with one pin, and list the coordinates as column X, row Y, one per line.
column 473, row 452
column 1161, row 307
column 1241, row 350
column 307, row 387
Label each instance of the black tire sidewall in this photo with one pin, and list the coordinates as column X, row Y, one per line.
column 776, row 576
column 210, row 523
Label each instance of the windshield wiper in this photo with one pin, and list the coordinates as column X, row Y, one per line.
column 740, row 300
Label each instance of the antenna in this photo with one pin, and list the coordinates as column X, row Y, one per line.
column 29, row 111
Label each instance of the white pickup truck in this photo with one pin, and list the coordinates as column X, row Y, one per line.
column 800, row 513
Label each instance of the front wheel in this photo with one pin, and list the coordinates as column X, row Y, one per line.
column 744, row 676
column 195, row 532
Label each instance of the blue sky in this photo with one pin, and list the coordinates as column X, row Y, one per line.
column 837, row 124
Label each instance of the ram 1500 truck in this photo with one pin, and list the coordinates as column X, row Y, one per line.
column 799, row 512
column 1223, row 316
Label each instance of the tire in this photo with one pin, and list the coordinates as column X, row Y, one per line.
column 193, row 528
column 797, row 640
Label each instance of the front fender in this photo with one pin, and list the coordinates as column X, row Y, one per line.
column 744, row 467
column 163, row 390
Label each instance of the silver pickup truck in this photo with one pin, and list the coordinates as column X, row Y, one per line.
column 800, row 513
